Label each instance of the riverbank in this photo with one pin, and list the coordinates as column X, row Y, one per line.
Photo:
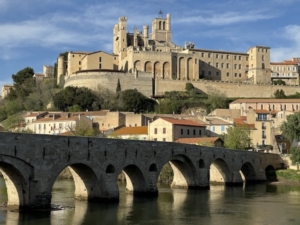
column 288, row 177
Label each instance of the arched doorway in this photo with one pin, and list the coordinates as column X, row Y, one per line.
column 157, row 70
column 148, row 67
column 182, row 68
column 138, row 66
column 166, row 70
column 190, row 69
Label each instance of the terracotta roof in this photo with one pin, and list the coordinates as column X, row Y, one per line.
column 241, row 122
column 36, row 114
column 266, row 100
column 131, row 131
column 284, row 63
column 182, row 122
column 198, row 140
column 273, row 112
column 218, row 121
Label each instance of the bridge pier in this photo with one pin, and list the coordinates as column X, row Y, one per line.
column 235, row 180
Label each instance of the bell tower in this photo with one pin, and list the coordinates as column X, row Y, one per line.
column 161, row 28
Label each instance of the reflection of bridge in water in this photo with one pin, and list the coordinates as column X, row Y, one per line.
column 30, row 164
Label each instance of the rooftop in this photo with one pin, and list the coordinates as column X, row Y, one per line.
column 131, row 131
column 266, row 100
column 182, row 122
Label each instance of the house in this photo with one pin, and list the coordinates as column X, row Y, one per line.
column 204, row 141
column 136, row 133
column 170, row 129
column 216, row 126
column 269, row 104
column 58, row 123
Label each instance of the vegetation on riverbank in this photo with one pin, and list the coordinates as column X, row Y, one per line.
column 288, row 175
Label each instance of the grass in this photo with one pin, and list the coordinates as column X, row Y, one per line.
column 288, row 175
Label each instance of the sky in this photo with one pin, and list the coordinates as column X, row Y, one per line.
column 33, row 32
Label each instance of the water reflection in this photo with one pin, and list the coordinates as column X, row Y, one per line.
column 248, row 205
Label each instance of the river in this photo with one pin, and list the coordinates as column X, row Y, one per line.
column 249, row 205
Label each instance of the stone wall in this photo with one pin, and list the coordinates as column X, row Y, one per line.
column 232, row 90
column 98, row 81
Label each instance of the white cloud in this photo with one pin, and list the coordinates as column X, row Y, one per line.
column 291, row 35
column 227, row 18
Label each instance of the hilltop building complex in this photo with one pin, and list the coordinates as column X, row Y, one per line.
column 150, row 61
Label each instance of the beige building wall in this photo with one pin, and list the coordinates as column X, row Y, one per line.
column 110, row 121
column 161, row 130
column 259, row 64
column 222, row 65
column 58, row 124
column 74, row 61
column 99, row 60
column 6, row 89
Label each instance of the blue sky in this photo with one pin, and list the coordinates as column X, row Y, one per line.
column 34, row 32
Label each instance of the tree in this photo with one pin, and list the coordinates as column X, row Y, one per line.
column 20, row 77
column 133, row 101
column 279, row 82
column 295, row 156
column 279, row 94
column 291, row 127
column 118, row 89
column 237, row 137
column 74, row 108
column 83, row 129
column 216, row 99
column 81, row 96
column 14, row 123
column 189, row 87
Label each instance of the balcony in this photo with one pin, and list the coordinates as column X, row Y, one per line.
column 287, row 75
column 263, row 136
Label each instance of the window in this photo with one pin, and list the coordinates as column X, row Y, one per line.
column 217, row 65
column 44, row 126
column 100, row 66
column 155, row 130
column 222, row 65
column 240, row 75
column 217, row 56
column 223, row 128
column 164, row 139
column 246, row 58
column 40, row 126
column 212, row 128
column 181, row 131
column 221, row 56
column 208, row 55
column 194, row 132
column 199, row 132
column 240, row 66
column 261, row 106
column 227, row 65
column 60, row 125
column 234, row 66
column 262, row 57
column 164, row 130
column 235, row 74
column 235, row 57
column 202, row 54
column 240, row 57
column 100, row 59
column 188, row 131
column 217, row 73
column 79, row 62
column 227, row 74
column 227, row 56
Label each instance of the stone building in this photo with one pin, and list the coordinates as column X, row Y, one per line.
column 6, row 89
column 265, row 104
column 139, row 58
column 288, row 71
column 170, row 129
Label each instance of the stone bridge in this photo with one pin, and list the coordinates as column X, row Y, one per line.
column 31, row 163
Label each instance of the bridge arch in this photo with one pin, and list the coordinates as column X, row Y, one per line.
column 135, row 180
column 15, row 184
column 87, row 185
column 248, row 172
column 184, row 172
column 219, row 171
column 17, row 175
column 270, row 173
